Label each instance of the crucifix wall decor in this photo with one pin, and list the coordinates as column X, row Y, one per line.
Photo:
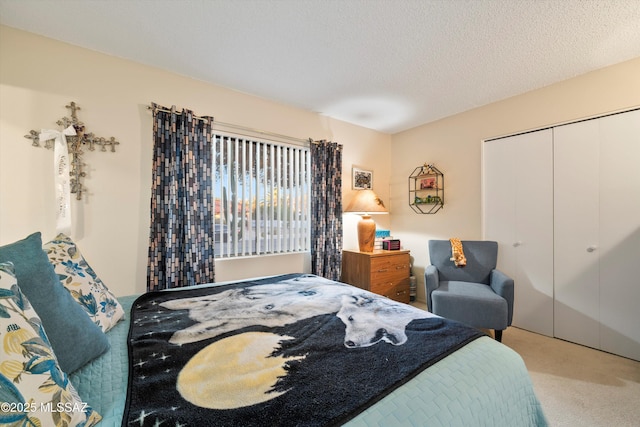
column 75, row 136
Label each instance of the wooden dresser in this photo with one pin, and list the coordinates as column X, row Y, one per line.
column 382, row 272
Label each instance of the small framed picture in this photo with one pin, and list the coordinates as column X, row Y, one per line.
column 362, row 179
column 426, row 183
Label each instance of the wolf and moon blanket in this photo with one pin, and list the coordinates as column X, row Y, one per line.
column 291, row 350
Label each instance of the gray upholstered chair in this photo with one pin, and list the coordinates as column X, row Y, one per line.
column 476, row 294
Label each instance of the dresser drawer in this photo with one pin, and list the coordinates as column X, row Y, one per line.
column 389, row 268
column 390, row 286
column 398, row 292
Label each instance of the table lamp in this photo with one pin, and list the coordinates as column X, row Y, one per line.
column 365, row 203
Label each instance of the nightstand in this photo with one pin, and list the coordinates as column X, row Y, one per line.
column 382, row 272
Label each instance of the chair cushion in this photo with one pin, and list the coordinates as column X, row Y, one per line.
column 482, row 257
column 474, row 304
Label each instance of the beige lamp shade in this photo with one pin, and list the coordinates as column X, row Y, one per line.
column 365, row 203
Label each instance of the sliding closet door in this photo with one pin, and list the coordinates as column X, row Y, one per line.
column 518, row 214
column 499, row 220
column 620, row 234
column 576, row 239
column 597, row 233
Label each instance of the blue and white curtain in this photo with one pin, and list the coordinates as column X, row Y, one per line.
column 181, row 246
column 326, row 209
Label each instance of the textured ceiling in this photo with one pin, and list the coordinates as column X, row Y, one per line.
column 383, row 64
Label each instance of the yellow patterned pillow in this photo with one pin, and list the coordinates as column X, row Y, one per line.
column 33, row 388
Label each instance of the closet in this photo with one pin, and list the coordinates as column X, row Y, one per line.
column 518, row 214
column 564, row 205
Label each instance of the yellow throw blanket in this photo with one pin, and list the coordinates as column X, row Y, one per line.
column 457, row 252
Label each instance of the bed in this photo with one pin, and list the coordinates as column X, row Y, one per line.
column 473, row 381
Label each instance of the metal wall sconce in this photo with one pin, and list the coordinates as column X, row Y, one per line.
column 75, row 144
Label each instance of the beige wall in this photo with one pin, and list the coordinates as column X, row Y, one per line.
column 39, row 76
column 454, row 146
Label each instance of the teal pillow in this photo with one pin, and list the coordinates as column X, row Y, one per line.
column 74, row 337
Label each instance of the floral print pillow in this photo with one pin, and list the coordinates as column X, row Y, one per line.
column 33, row 389
column 83, row 283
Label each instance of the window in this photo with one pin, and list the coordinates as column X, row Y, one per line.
column 261, row 196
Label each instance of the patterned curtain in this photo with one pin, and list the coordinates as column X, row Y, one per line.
column 182, row 235
column 326, row 209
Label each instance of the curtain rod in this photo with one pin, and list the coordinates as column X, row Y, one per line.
column 243, row 128
column 149, row 107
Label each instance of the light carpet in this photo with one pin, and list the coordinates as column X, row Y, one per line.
column 577, row 385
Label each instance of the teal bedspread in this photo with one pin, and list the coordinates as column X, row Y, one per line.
column 483, row 384
column 103, row 382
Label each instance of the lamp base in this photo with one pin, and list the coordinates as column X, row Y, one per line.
column 366, row 233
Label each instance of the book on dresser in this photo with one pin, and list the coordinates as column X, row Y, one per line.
column 382, row 272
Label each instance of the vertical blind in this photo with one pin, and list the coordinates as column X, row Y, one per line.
column 261, row 191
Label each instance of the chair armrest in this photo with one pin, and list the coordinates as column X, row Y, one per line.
column 503, row 286
column 431, row 281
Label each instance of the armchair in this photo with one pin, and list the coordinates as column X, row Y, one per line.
column 477, row 294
